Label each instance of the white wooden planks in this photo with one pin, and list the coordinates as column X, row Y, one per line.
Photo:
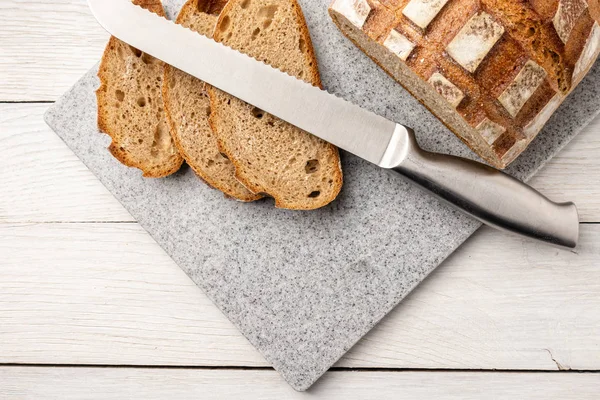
column 46, row 46
column 42, row 180
column 149, row 384
column 107, row 294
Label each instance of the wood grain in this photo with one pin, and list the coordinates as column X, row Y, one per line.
column 148, row 384
column 46, row 47
column 41, row 178
column 44, row 181
column 107, row 294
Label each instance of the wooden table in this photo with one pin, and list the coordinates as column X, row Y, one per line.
column 92, row 307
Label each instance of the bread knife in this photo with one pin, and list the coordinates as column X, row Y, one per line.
column 489, row 195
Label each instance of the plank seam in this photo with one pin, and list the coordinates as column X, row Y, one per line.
column 13, row 222
column 338, row 369
column 27, row 101
column 9, row 222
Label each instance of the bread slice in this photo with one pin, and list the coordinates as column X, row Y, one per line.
column 131, row 110
column 188, row 107
column 493, row 71
column 271, row 156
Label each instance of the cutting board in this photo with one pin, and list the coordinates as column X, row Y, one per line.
column 304, row 287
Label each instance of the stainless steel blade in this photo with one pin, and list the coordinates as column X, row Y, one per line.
column 331, row 118
column 487, row 194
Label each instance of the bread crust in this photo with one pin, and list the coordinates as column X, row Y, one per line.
column 314, row 79
column 408, row 89
column 213, row 8
column 116, row 148
column 525, row 67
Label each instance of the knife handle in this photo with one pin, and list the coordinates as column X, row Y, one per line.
column 491, row 196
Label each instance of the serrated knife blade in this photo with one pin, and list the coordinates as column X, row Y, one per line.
column 491, row 196
column 277, row 93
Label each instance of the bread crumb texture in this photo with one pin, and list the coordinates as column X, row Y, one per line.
column 131, row 109
column 188, row 109
column 493, row 71
column 271, row 156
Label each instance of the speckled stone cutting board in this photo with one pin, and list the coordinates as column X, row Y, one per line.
column 304, row 287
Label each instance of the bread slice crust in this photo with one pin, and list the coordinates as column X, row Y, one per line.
column 131, row 109
column 300, row 171
column 187, row 107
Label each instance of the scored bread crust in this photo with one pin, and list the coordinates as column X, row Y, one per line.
column 492, row 71
column 187, row 107
column 298, row 192
column 134, row 117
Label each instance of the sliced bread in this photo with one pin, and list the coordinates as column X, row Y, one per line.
column 187, row 106
column 130, row 107
column 271, row 156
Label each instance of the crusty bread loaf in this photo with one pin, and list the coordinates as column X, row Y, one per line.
column 271, row 156
column 130, row 107
column 188, row 107
column 493, row 71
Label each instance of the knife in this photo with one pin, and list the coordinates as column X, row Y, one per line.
column 489, row 195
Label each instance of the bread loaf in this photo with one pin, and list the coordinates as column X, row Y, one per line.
column 271, row 156
column 188, row 107
column 494, row 71
column 130, row 107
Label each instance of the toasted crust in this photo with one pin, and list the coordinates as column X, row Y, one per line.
column 409, row 90
column 143, row 141
column 189, row 124
column 243, row 173
column 480, row 64
column 151, row 5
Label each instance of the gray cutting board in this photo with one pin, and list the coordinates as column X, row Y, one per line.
column 304, row 287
